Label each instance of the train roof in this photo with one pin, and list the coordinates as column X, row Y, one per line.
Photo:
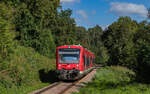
column 70, row 46
column 74, row 46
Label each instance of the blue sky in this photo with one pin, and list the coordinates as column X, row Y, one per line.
column 88, row 13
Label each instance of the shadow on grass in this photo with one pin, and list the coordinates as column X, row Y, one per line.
column 48, row 77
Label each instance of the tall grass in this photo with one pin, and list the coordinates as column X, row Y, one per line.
column 23, row 71
column 114, row 80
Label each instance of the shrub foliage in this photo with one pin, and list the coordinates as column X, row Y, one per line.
column 23, row 68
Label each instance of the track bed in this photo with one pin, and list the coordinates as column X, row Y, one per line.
column 66, row 87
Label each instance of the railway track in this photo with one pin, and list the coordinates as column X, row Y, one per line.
column 47, row 88
column 65, row 87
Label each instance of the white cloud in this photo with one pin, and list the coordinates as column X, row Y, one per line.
column 69, row 1
column 104, row 27
column 82, row 13
column 125, row 9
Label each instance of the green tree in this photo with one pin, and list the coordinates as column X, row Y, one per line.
column 82, row 36
column 64, row 32
column 6, row 32
column 119, row 41
column 96, row 44
column 143, row 64
column 46, row 42
column 142, row 45
column 94, row 38
column 33, row 20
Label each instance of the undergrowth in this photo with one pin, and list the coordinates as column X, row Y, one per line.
column 21, row 72
column 114, row 80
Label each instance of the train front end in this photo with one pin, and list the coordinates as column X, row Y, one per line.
column 68, row 62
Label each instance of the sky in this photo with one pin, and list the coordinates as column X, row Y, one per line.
column 89, row 13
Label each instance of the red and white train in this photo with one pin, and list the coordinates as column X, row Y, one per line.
column 73, row 62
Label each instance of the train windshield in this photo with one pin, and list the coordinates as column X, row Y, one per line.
column 69, row 55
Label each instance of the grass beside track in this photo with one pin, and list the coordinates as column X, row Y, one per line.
column 114, row 80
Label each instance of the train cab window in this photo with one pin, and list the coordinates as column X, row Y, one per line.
column 69, row 55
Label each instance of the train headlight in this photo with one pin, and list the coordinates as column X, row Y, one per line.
column 77, row 65
column 59, row 65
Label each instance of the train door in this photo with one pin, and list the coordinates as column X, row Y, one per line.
column 85, row 60
column 89, row 61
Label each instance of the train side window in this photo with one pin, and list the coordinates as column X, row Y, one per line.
column 84, row 58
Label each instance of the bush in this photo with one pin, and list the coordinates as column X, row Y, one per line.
column 23, row 68
column 114, row 75
column 114, row 80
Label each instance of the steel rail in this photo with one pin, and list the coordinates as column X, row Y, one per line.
column 73, row 84
column 49, row 87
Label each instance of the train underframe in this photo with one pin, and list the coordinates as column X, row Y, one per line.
column 72, row 74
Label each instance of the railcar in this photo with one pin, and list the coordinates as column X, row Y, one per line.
column 73, row 62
